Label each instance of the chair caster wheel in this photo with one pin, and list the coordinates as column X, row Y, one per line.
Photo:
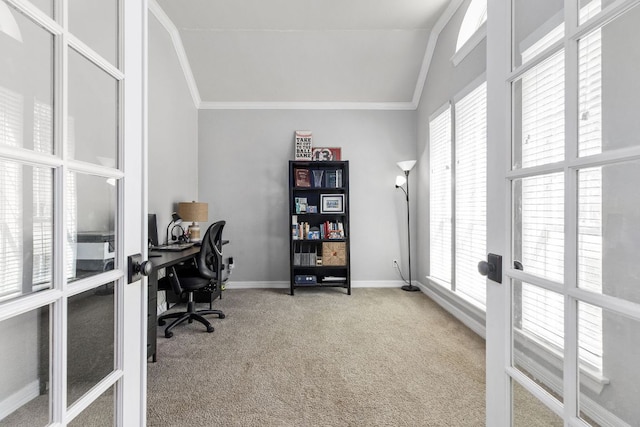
column 168, row 334
column 209, row 329
column 222, row 316
column 161, row 322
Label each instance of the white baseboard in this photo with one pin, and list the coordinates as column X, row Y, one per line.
column 459, row 314
column 19, row 399
column 257, row 285
column 285, row 285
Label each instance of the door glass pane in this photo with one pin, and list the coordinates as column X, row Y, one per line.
column 528, row 411
column 95, row 22
column 536, row 26
column 90, row 339
column 608, row 231
column 26, row 229
column 44, row 5
column 538, row 125
column 26, row 82
column 591, row 8
column 538, row 225
column 538, row 335
column 93, row 113
column 101, row 413
column 90, row 210
column 608, row 87
column 610, row 397
column 24, row 377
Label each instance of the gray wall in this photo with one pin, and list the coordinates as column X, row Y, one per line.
column 173, row 130
column 444, row 80
column 243, row 174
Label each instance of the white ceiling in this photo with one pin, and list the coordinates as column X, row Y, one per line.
column 305, row 51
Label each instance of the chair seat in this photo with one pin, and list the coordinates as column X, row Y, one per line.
column 191, row 281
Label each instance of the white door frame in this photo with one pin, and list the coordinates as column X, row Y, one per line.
column 129, row 377
column 134, row 325
column 499, row 372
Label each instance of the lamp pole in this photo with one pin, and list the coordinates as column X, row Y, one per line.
column 410, row 286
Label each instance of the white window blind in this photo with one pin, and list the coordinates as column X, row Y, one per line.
column 542, row 199
column 471, row 194
column 440, row 196
column 11, row 240
column 42, row 197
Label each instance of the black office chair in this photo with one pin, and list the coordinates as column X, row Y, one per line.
column 204, row 274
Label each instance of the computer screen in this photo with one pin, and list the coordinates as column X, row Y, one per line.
column 152, row 230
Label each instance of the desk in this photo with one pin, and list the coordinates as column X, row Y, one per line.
column 165, row 259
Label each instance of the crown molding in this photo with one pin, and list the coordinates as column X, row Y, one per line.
column 307, row 106
column 431, row 47
column 168, row 25
column 166, row 22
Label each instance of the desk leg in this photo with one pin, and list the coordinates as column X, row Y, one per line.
column 152, row 314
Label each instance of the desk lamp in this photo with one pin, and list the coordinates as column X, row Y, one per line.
column 175, row 219
column 195, row 212
column 406, row 166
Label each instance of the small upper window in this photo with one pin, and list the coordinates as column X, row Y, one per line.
column 474, row 18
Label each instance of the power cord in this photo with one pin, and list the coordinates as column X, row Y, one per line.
column 395, row 264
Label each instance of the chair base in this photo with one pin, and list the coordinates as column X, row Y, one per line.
column 191, row 314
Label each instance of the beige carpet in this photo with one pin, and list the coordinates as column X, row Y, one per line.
column 380, row 357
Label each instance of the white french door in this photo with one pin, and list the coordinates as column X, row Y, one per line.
column 563, row 329
column 72, row 129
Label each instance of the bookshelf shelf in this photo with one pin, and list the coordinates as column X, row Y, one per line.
column 319, row 207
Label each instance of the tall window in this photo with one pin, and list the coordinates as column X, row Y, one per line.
column 458, row 211
column 475, row 16
column 541, row 197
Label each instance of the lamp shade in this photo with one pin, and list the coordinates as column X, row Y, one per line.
column 193, row 211
column 400, row 180
column 406, row 165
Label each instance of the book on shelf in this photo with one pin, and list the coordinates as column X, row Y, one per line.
column 332, row 230
column 334, row 178
column 302, row 177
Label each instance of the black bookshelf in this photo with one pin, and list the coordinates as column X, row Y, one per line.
column 319, row 231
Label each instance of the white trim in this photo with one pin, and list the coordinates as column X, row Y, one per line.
column 470, row 45
column 257, row 285
column 473, row 85
column 166, row 22
column 168, row 25
column 89, row 54
column 590, row 407
column 286, row 285
column 89, row 397
column 453, row 309
column 206, row 105
column 18, row 399
column 431, row 47
column 440, row 110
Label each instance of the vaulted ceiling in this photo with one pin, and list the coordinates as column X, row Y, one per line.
column 277, row 52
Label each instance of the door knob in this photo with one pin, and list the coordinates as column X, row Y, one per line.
column 138, row 268
column 492, row 267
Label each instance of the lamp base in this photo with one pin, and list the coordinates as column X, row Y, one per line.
column 194, row 232
column 410, row 288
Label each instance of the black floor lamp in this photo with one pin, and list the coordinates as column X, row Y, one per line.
column 406, row 166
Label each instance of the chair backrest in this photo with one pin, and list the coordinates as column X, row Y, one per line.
column 210, row 257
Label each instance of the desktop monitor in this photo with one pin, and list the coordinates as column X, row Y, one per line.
column 152, row 230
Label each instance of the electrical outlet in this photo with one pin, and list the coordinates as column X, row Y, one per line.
column 395, row 262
